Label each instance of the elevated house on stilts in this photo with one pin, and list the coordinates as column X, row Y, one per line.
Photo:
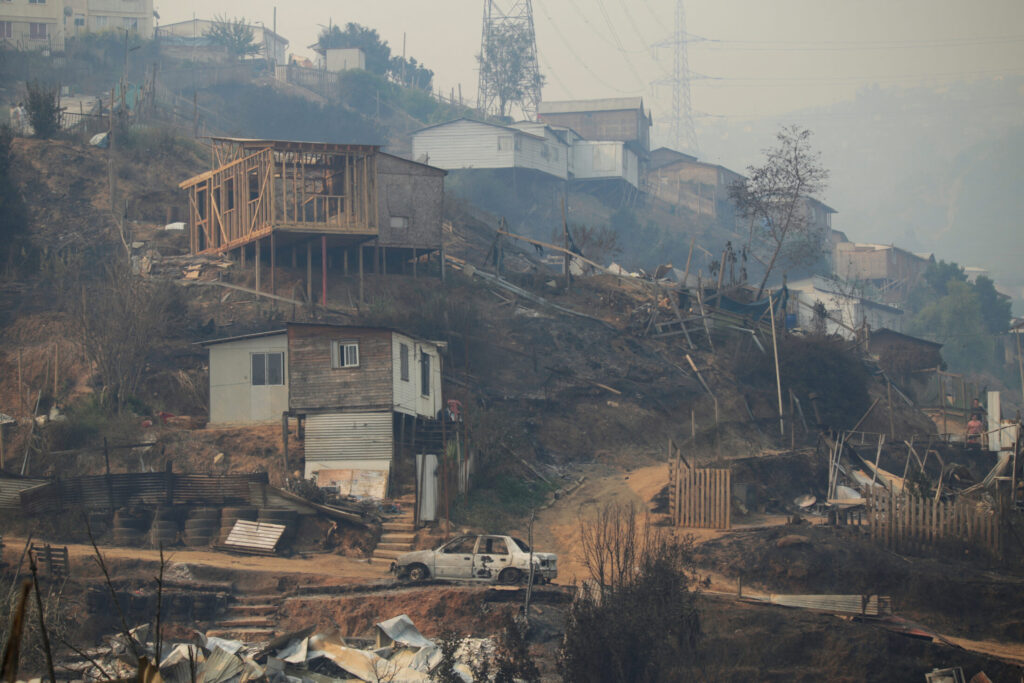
column 329, row 205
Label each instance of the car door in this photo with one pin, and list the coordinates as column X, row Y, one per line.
column 492, row 555
column 454, row 560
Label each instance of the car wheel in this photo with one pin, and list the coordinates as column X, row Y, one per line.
column 417, row 572
column 510, row 576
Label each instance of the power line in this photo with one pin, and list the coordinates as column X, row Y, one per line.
column 611, row 27
column 586, row 20
column 839, row 45
column 554, row 75
column 756, row 81
column 579, row 59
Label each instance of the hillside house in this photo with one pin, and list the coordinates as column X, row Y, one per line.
column 901, row 355
column 351, row 388
column 344, row 204
column 189, row 40
column 846, row 311
column 341, row 58
column 248, row 378
column 621, row 119
column 472, row 145
column 29, row 25
column 354, row 387
column 891, row 271
column 682, row 180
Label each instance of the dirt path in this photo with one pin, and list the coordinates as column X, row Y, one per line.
column 320, row 568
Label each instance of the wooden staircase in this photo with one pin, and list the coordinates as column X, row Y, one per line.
column 399, row 533
column 248, row 618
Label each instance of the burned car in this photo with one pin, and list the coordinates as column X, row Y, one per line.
column 487, row 557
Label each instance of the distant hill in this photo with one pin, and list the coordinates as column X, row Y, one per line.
column 930, row 169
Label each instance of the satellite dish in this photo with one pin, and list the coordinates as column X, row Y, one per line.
column 805, row 501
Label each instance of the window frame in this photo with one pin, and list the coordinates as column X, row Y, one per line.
column 35, row 34
column 403, row 362
column 340, row 354
column 253, row 355
column 6, row 29
column 425, row 372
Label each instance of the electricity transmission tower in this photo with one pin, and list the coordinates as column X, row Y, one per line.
column 682, row 131
column 509, row 33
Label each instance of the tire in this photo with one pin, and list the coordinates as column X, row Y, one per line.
column 418, row 572
column 510, row 576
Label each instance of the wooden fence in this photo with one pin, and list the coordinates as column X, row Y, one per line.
column 910, row 523
column 700, row 498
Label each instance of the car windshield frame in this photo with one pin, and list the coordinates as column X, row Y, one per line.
column 444, row 548
column 522, row 546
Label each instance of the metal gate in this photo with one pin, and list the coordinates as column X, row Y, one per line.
column 351, row 450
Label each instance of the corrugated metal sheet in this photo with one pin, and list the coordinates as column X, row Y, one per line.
column 577, row 106
column 258, row 537
column 10, row 491
column 139, row 488
column 869, row 605
column 349, row 436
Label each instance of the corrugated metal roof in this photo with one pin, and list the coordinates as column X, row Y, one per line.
column 577, row 106
column 240, row 337
column 259, row 537
column 10, row 491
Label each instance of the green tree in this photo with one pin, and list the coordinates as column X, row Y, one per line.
column 43, row 104
column 234, row 35
column 957, row 322
column 505, row 61
column 410, row 73
column 378, row 54
column 774, row 199
column 996, row 308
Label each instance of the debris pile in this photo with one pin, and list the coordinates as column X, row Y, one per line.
column 394, row 651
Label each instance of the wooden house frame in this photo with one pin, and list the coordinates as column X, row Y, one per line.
column 301, row 189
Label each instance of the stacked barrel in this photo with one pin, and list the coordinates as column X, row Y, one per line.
column 201, row 526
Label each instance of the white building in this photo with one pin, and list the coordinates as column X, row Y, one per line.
column 188, row 39
column 248, row 378
column 845, row 310
column 344, row 59
column 466, row 144
column 47, row 24
column 605, row 160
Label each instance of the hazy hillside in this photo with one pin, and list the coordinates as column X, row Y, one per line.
column 931, row 169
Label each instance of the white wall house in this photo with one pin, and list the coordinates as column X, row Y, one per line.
column 345, row 59
column 190, row 36
column 846, row 310
column 466, row 144
column 604, row 160
column 248, row 378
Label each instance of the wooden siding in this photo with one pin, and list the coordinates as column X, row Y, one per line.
column 628, row 125
column 315, row 385
column 412, row 191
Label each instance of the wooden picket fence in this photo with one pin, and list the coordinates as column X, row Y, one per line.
column 910, row 523
column 699, row 498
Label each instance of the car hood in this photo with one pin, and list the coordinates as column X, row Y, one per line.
column 424, row 556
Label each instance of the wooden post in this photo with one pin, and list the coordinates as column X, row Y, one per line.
column 273, row 263
column 2, row 462
column 295, row 257
column 309, row 272
column 689, row 257
column 256, row 244
column 360, row 274
column 892, row 427
column 21, row 391
column 56, row 364
column 775, row 352
column 414, row 264
column 284, row 441
column 323, row 270
column 344, row 261
column 1020, row 362
column 566, row 259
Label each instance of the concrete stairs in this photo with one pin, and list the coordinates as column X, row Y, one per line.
column 399, row 533
column 248, row 618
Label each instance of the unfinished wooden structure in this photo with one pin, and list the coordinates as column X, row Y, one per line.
column 346, row 205
column 698, row 498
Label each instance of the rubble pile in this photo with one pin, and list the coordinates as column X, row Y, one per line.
column 394, row 651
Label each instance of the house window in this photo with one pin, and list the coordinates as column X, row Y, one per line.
column 403, row 361
column 345, row 354
column 132, row 24
column 37, row 2
column 425, row 373
column 36, row 30
column 6, row 29
column 101, row 21
column 268, row 369
column 504, row 143
column 399, row 222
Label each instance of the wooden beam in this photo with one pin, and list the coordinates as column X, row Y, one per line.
column 323, row 270
column 309, row 271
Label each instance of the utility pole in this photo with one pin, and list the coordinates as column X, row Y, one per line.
column 683, row 134
column 514, row 25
